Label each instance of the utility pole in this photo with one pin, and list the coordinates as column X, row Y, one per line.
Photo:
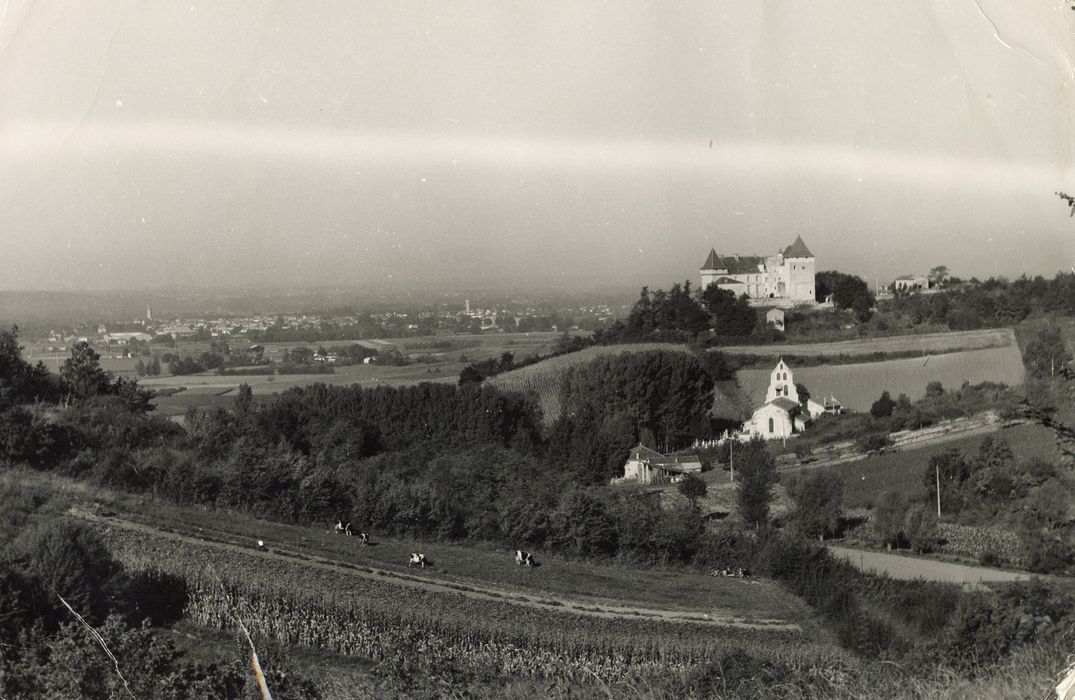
column 937, row 468
column 731, row 459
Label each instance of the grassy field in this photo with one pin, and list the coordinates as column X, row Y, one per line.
column 442, row 358
column 544, row 377
column 866, row 479
column 926, row 343
column 857, row 386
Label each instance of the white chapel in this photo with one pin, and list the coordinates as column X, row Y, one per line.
column 783, row 413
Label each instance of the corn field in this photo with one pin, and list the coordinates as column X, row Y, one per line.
column 393, row 623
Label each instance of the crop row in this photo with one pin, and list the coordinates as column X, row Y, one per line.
column 981, row 543
column 383, row 620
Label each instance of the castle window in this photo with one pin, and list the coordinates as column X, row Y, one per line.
column 770, row 425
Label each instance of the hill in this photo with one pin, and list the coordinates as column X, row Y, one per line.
column 543, row 378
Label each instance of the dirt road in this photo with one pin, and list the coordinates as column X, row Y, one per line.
column 908, row 567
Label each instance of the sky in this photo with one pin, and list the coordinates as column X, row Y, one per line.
column 466, row 144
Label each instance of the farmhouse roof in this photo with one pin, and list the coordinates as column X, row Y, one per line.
column 641, row 452
column 655, row 458
column 798, row 249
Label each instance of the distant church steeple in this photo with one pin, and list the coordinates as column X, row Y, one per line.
column 149, row 313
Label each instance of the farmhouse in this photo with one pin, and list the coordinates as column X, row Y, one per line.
column 646, row 466
column 784, row 279
column 911, row 283
column 783, row 413
column 775, row 318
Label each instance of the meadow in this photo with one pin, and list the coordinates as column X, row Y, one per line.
column 857, row 386
column 437, row 359
column 866, row 479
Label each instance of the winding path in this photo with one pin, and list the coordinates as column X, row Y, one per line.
column 909, row 567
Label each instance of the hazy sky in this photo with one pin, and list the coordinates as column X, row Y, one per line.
column 462, row 143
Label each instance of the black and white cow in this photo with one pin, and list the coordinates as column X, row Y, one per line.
column 342, row 528
column 363, row 538
column 524, row 558
column 417, row 559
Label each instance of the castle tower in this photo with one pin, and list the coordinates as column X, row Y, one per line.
column 799, row 271
column 149, row 313
column 711, row 269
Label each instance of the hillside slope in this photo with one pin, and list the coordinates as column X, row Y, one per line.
column 543, row 378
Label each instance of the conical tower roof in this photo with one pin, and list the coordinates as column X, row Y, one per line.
column 798, row 249
column 712, row 262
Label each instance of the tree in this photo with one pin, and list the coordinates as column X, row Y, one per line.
column 244, row 399
column 140, row 368
column 938, row 275
column 882, row 407
column 81, row 374
column 934, row 390
column 581, row 524
column 155, row 366
column 888, row 518
column 730, row 316
column 920, row 528
column 952, row 470
column 818, row 498
column 755, row 473
column 847, row 291
column 71, row 561
column 1042, row 520
column 1047, row 353
column 693, row 488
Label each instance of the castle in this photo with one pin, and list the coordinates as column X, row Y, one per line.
column 784, row 279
